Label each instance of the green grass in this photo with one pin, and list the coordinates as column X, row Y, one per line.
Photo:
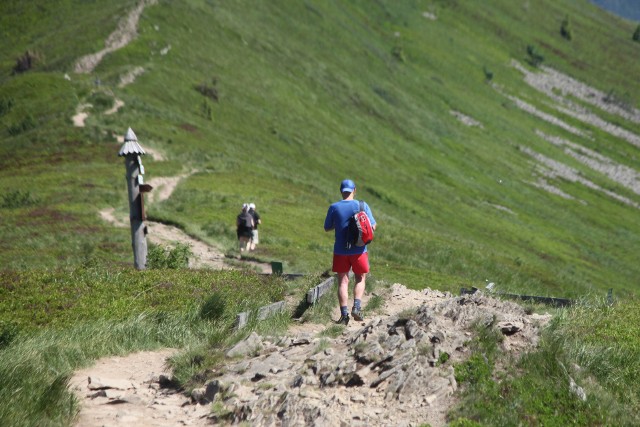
column 309, row 93
column 534, row 389
column 37, row 367
column 287, row 128
column 52, row 323
column 41, row 298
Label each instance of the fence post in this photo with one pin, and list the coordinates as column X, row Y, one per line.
column 132, row 151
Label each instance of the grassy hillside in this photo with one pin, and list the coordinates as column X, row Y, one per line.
column 308, row 93
column 476, row 170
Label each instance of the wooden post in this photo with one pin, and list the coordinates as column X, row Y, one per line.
column 132, row 151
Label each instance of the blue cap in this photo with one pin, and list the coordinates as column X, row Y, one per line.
column 348, row 186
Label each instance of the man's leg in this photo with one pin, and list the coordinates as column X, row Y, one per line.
column 341, row 267
column 360, row 266
column 254, row 240
column 244, row 243
column 343, row 288
column 358, row 290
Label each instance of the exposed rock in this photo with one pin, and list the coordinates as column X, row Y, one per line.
column 577, row 390
column 395, row 368
column 553, row 169
column 466, row 120
column 108, row 383
column 251, row 344
column 510, row 328
column 386, row 362
column 429, row 15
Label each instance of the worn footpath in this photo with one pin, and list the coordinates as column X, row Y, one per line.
column 395, row 368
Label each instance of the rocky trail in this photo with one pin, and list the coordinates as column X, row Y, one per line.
column 395, row 368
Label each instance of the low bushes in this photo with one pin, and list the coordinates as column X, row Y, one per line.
column 61, row 298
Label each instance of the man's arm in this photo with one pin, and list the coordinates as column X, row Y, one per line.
column 367, row 210
column 328, row 221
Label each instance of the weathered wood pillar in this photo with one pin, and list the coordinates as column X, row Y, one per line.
column 132, row 151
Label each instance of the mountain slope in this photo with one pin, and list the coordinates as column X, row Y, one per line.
column 304, row 94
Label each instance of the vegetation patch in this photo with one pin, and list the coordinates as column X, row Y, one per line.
column 17, row 199
column 573, row 353
column 35, row 299
column 159, row 257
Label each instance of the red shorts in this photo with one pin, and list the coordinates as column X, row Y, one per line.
column 358, row 262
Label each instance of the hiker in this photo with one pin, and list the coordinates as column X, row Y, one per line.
column 256, row 220
column 244, row 224
column 345, row 259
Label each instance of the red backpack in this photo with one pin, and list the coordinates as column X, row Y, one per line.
column 359, row 231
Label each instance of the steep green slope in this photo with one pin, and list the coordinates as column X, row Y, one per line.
column 309, row 93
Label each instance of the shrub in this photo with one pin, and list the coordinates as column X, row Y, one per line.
column 443, row 358
column 27, row 123
column 565, row 29
column 159, row 257
column 206, row 111
column 488, row 74
column 17, row 199
column 214, row 307
column 26, row 62
column 6, row 104
column 623, row 101
column 210, row 91
column 474, row 370
column 8, row 332
column 636, row 34
column 101, row 101
column 535, row 58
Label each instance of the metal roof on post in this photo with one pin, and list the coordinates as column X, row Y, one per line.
column 130, row 145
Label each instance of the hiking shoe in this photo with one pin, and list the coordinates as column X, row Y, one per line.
column 357, row 314
column 344, row 320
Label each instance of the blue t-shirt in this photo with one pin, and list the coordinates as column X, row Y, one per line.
column 338, row 219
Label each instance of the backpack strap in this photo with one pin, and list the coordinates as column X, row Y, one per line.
column 361, row 206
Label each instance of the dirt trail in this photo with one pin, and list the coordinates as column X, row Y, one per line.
column 163, row 187
column 125, row 32
column 80, row 116
column 132, row 394
column 290, row 380
column 117, row 104
column 134, row 397
column 164, row 235
column 203, row 254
